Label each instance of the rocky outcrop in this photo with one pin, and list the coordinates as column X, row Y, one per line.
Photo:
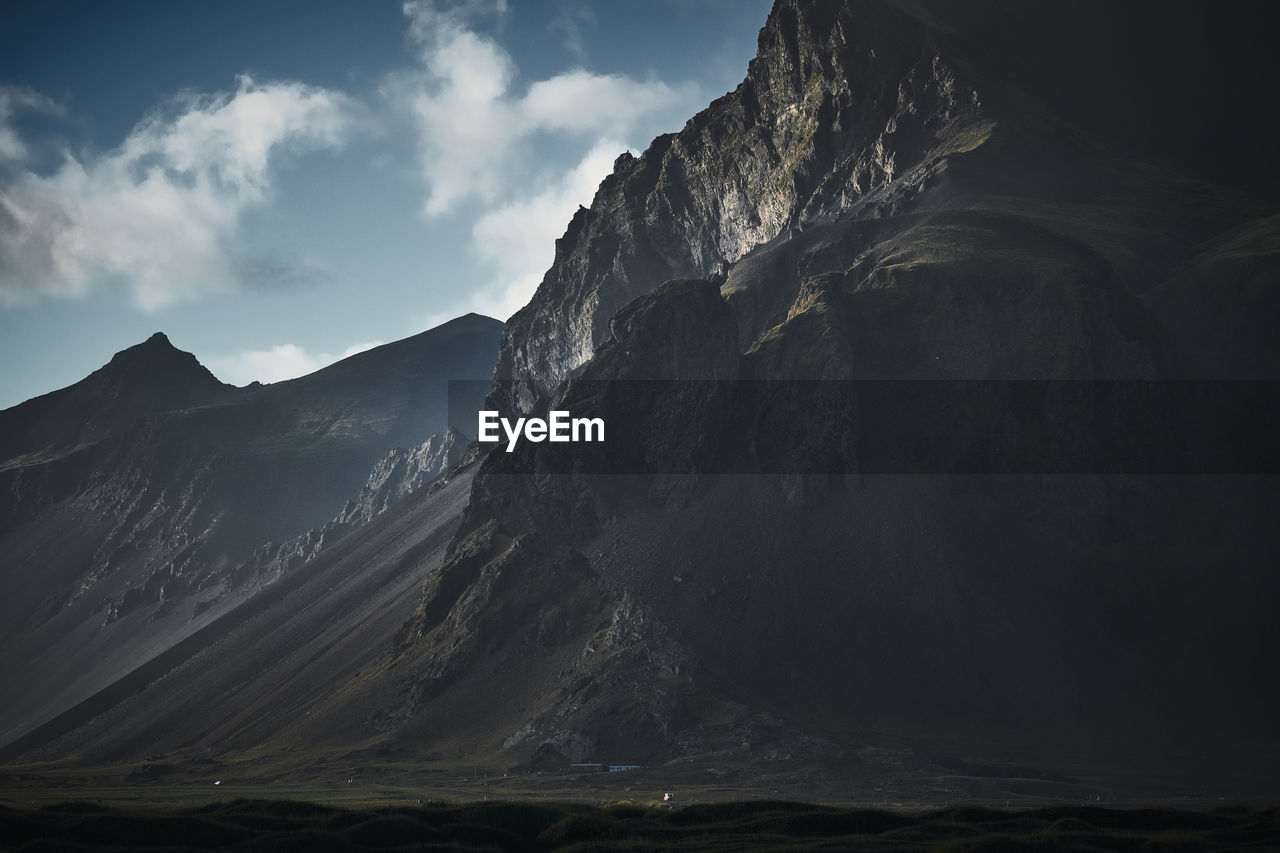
column 398, row 474
column 833, row 109
column 854, row 116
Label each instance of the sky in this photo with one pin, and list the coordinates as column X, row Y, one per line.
column 277, row 184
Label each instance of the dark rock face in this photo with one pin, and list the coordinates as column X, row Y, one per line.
column 831, row 111
column 133, row 502
column 881, row 199
column 854, row 113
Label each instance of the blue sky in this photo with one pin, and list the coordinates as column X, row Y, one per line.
column 277, row 184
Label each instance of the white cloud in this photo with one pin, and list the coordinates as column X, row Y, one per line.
column 458, row 101
column 160, row 212
column 281, row 362
column 472, row 123
column 284, row 361
column 519, row 238
column 162, row 215
column 477, row 132
column 359, row 348
column 579, row 101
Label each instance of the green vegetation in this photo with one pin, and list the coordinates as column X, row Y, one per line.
column 289, row 824
column 987, row 246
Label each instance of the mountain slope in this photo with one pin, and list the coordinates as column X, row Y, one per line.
column 1224, row 306
column 882, row 199
column 259, row 669
column 134, row 500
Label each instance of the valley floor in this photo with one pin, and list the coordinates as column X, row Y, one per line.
column 560, row 824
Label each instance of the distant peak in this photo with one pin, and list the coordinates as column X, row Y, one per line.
column 471, row 318
column 157, row 358
column 158, row 345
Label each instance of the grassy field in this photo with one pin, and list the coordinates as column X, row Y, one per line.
column 256, row 824
column 892, row 792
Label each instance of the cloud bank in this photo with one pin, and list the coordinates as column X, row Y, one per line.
column 160, row 213
column 280, row 362
column 477, row 130
column 161, row 217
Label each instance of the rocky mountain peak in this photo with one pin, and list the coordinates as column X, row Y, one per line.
column 842, row 102
column 145, row 379
column 157, row 361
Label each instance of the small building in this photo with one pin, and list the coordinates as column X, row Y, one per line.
column 586, row 768
column 618, row 768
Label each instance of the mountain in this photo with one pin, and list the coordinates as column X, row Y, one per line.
column 854, row 112
column 897, row 192
column 146, row 379
column 914, row 227
column 135, row 500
